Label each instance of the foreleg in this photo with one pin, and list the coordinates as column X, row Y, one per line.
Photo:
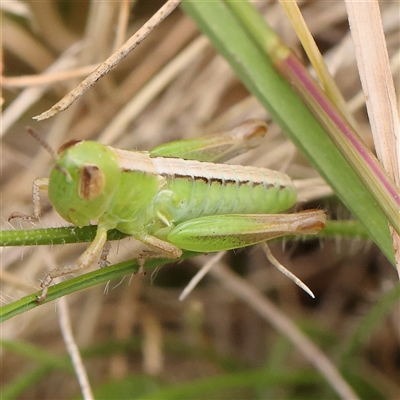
column 85, row 260
column 38, row 185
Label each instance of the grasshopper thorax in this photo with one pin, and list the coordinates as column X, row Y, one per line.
column 83, row 181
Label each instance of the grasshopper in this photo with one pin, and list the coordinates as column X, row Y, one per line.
column 176, row 197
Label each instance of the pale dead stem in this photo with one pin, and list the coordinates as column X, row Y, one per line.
column 377, row 81
column 315, row 57
column 64, row 321
column 73, row 349
column 124, row 324
column 106, row 66
column 46, row 79
column 31, row 95
column 22, row 44
column 122, row 24
column 142, row 99
column 268, row 311
column 204, row 270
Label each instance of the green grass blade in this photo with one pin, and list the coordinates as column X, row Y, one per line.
column 258, row 74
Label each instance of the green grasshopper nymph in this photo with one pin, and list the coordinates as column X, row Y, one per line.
column 173, row 198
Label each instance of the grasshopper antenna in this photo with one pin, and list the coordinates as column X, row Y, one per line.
column 42, row 142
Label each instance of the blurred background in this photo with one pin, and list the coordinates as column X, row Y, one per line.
column 137, row 339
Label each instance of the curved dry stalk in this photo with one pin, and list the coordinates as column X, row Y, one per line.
column 203, row 271
column 142, row 99
column 45, row 79
column 113, row 60
column 31, row 95
column 293, row 12
column 73, row 349
column 380, row 97
column 267, row 310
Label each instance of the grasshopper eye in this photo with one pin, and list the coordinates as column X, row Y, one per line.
column 91, row 182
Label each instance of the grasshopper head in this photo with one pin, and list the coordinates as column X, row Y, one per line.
column 83, row 181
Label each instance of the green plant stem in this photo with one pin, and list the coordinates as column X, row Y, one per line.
column 60, row 235
column 53, row 236
column 73, row 234
column 82, row 282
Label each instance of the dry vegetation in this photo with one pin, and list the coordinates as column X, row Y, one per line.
column 173, row 86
